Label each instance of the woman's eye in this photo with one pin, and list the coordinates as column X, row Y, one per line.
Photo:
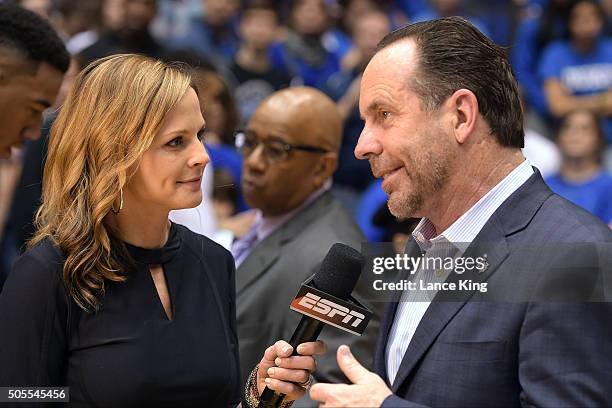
column 385, row 114
column 201, row 135
column 176, row 142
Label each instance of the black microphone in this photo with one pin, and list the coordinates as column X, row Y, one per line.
column 336, row 278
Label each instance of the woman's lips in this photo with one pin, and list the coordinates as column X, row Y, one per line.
column 193, row 184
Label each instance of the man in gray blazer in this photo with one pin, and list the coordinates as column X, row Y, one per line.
column 444, row 128
column 290, row 148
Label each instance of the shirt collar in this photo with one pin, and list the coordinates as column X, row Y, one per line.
column 267, row 225
column 465, row 229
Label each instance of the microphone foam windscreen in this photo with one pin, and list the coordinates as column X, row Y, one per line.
column 339, row 271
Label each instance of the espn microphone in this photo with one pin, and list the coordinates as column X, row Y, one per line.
column 324, row 300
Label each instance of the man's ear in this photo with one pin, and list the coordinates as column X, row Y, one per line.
column 463, row 105
column 325, row 168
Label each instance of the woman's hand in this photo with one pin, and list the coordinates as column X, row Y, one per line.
column 282, row 372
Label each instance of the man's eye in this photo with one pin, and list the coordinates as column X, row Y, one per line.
column 201, row 135
column 275, row 151
column 385, row 114
column 176, row 142
column 250, row 143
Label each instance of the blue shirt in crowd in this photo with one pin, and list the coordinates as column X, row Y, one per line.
column 335, row 45
column 223, row 157
column 433, row 15
column 582, row 74
column 201, row 39
column 594, row 195
column 525, row 57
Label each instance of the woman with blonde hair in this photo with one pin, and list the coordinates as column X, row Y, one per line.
column 111, row 299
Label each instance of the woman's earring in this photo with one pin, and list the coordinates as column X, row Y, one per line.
column 120, row 202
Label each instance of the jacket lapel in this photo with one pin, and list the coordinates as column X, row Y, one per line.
column 267, row 252
column 446, row 304
column 258, row 261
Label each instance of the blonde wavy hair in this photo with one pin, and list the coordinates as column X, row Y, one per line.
column 107, row 122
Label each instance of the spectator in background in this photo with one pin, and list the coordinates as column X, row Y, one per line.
column 413, row 8
column 225, row 195
column 582, row 179
column 43, row 8
column 222, row 118
column 539, row 28
column 174, row 17
column 290, row 150
column 541, row 151
column 252, row 68
column 353, row 175
column 33, row 61
column 214, row 33
column 112, row 14
column 448, row 8
column 19, row 227
column 500, row 17
column 80, row 23
column 311, row 52
column 354, row 9
column 132, row 35
column 577, row 73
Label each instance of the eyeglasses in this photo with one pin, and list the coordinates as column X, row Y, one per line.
column 275, row 149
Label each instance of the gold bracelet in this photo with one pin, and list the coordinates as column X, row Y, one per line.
column 251, row 393
column 251, row 398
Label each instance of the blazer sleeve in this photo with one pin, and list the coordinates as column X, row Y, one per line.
column 564, row 357
column 393, row 401
column 33, row 323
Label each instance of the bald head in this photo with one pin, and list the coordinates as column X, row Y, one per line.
column 309, row 123
column 309, row 116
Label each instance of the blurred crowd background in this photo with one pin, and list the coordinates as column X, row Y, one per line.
column 242, row 51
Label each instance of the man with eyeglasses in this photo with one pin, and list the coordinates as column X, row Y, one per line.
column 290, row 149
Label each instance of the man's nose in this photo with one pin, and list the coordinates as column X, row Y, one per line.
column 256, row 160
column 367, row 145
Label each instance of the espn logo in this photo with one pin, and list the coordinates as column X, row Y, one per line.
column 346, row 314
column 328, row 308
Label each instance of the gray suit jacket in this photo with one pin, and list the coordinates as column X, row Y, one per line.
column 270, row 276
column 533, row 340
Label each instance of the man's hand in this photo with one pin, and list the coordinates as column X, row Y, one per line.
column 280, row 371
column 367, row 390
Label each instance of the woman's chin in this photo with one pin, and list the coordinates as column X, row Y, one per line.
column 188, row 202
